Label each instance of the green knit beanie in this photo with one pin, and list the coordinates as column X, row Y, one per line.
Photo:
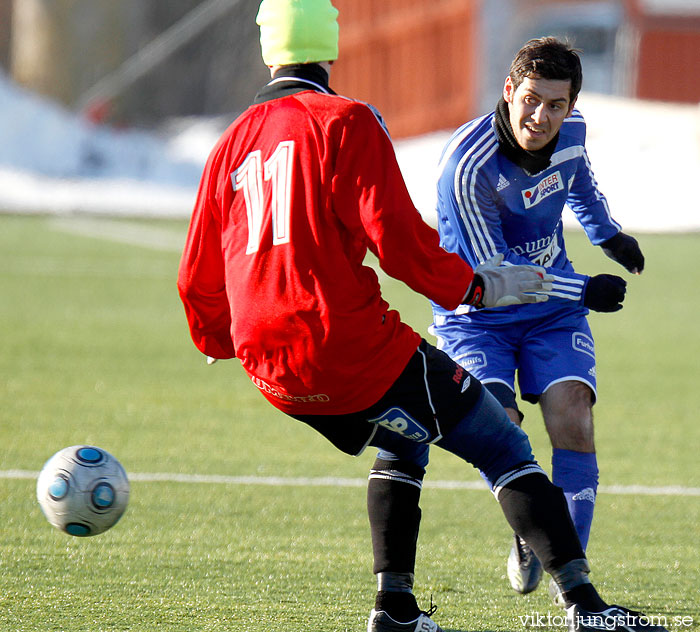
column 298, row 31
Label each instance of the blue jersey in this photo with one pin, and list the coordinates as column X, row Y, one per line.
column 487, row 204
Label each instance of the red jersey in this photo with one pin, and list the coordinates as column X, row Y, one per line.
column 292, row 196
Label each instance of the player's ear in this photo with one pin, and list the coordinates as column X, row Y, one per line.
column 571, row 107
column 508, row 90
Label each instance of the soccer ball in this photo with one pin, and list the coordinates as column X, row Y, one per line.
column 82, row 490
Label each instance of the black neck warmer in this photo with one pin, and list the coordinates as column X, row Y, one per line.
column 302, row 73
column 532, row 162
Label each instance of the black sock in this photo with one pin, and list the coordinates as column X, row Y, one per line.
column 400, row 606
column 538, row 513
column 586, row 596
column 393, row 493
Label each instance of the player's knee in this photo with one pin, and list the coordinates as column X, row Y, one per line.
column 511, row 455
column 570, row 398
column 399, row 470
column 568, row 416
column 394, row 447
column 506, row 397
column 488, row 439
column 573, row 434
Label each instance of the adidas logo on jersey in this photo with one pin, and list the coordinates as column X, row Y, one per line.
column 502, row 183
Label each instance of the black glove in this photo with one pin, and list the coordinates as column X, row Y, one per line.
column 625, row 250
column 605, row 293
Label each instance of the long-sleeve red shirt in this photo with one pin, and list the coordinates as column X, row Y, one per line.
column 292, row 196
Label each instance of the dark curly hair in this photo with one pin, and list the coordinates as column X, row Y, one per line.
column 548, row 58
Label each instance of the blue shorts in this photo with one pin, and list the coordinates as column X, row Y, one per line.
column 543, row 352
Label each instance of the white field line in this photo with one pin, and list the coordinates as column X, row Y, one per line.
column 160, row 239
column 122, row 231
column 333, row 481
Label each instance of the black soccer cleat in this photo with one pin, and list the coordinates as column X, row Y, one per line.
column 612, row 619
column 380, row 621
column 524, row 569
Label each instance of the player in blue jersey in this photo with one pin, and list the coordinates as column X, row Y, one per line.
column 504, row 181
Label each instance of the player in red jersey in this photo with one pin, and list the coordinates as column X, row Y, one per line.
column 293, row 195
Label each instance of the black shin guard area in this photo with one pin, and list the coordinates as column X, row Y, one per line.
column 537, row 511
column 393, row 493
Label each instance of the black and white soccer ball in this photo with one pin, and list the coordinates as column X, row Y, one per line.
column 83, row 490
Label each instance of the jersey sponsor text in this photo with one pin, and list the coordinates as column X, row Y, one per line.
column 543, row 189
column 583, row 343
column 398, row 420
column 271, row 390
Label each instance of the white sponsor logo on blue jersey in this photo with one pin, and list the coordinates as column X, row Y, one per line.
column 543, row 189
column 472, row 360
column 400, row 421
column 542, row 251
column 582, row 342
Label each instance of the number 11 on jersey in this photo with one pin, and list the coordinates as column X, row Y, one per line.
column 277, row 169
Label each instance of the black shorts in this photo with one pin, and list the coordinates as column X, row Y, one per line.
column 430, row 397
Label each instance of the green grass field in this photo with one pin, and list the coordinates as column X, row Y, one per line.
column 95, row 350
